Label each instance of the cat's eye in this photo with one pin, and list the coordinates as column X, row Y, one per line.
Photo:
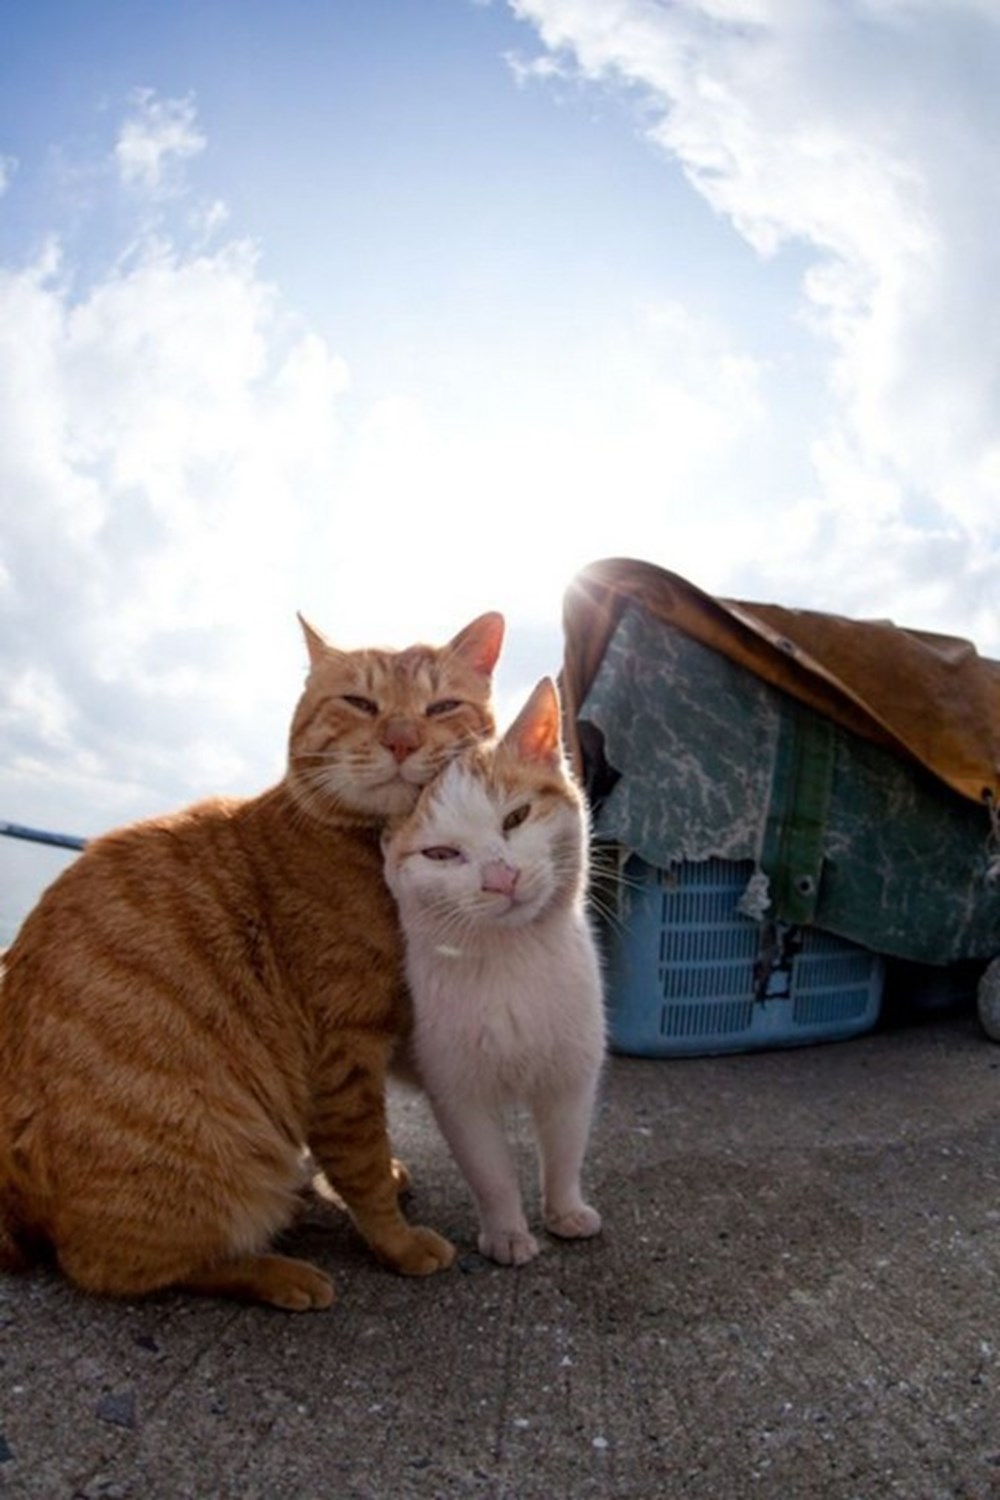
column 363, row 705
column 516, row 818
column 443, row 706
column 441, row 852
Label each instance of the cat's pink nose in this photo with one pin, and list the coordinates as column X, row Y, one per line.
column 401, row 738
column 500, row 876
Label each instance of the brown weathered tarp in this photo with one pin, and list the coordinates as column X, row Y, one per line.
column 930, row 697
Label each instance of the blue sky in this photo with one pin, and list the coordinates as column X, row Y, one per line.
column 394, row 312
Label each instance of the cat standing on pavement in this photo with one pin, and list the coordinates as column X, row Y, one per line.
column 490, row 873
column 199, row 998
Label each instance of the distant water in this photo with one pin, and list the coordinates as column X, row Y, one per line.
column 25, row 870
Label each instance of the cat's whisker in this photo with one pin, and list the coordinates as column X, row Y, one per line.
column 618, row 879
column 450, row 920
column 608, row 914
column 315, row 792
column 612, row 874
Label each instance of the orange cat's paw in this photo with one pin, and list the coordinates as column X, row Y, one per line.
column 578, row 1224
column 278, row 1280
column 302, row 1289
column 508, row 1247
column 423, row 1253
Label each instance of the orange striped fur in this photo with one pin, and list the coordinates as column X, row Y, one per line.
column 201, row 998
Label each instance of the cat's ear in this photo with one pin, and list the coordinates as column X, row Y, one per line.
column 316, row 643
column 536, row 733
column 479, row 643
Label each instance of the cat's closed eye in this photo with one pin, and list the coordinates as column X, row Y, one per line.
column 363, row 705
column 443, row 706
column 441, row 852
column 517, row 817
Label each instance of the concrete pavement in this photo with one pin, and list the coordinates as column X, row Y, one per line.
column 796, row 1296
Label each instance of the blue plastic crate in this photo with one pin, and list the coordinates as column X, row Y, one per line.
column 683, row 970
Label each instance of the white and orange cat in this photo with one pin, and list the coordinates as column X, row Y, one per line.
column 489, row 872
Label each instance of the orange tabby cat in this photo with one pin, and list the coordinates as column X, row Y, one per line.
column 200, row 997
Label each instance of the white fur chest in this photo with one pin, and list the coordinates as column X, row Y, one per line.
column 505, row 1018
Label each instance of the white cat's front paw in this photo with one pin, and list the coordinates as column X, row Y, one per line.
column 509, row 1247
column 576, row 1224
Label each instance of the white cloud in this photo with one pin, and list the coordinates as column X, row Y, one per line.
column 208, row 220
column 858, row 135
column 156, row 136
column 165, row 437
column 33, row 700
column 529, row 70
